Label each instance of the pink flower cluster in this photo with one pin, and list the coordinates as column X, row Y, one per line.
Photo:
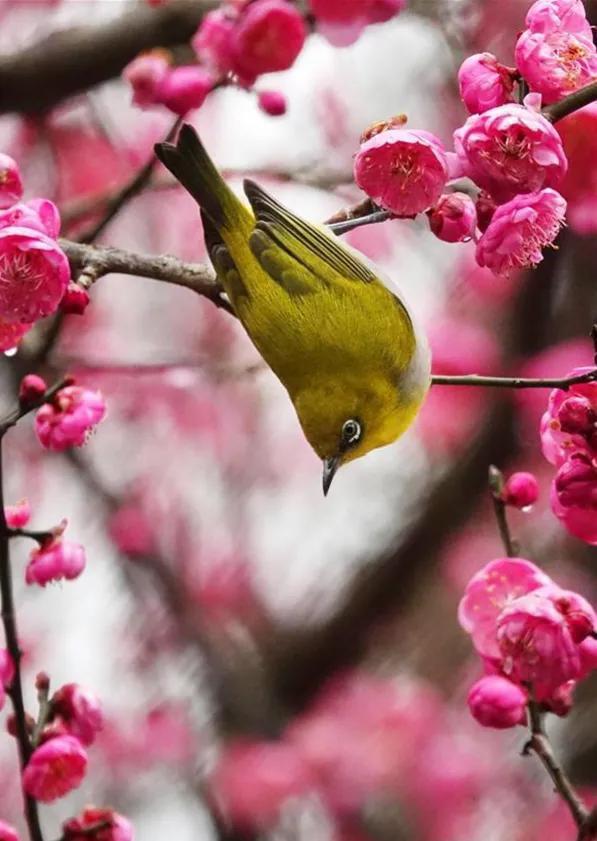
column 511, row 151
column 155, row 82
column 342, row 21
column 59, row 764
column 67, row 420
column 6, row 674
column 535, row 640
column 34, row 271
column 569, row 441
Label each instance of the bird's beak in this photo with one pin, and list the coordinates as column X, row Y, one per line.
column 330, row 465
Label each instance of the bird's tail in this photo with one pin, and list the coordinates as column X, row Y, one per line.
column 189, row 162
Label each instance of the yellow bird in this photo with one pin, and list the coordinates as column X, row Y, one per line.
column 342, row 343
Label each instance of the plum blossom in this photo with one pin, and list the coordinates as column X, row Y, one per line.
column 519, row 230
column 75, row 300
column 55, row 768
column 268, row 37
column 453, row 218
column 510, row 149
column 11, row 184
column 569, row 423
column 272, row 103
column 495, row 701
column 34, row 273
column 498, row 584
column 17, row 515
column 556, row 63
column 78, row 712
column 115, row 827
column 521, row 490
column 401, row 170
column 342, row 21
column 558, row 15
column 68, row 419
column 184, row 88
column 253, row 780
column 485, row 83
column 11, row 333
column 579, row 133
column 574, row 496
column 58, row 559
column 214, row 40
column 145, row 75
column 6, row 674
column 36, row 214
column 536, row 642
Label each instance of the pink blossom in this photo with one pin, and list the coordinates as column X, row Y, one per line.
column 253, row 780
column 133, row 530
column 75, row 300
column 568, row 424
column 68, row 419
column 556, row 63
column 225, row 591
column 55, row 768
column 574, row 496
column 184, row 88
column 453, row 218
column 11, row 185
column 588, row 656
column 519, row 230
column 272, row 103
column 497, row 585
column 510, row 149
column 577, row 612
column 8, row 832
column 342, row 21
column 11, row 333
column 31, row 389
column 17, row 515
column 536, row 644
column 57, row 560
column 521, row 490
column 560, row 701
column 268, row 37
column 34, row 272
column 485, row 83
column 145, row 75
column 115, row 827
column 558, row 15
column 79, row 712
column 495, row 701
column 401, row 170
column 214, row 40
column 36, row 214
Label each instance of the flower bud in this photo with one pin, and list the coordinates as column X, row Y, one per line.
column 31, row 390
column 75, row 300
column 11, row 185
column 576, row 416
column 17, row 516
column 57, row 560
column 79, row 711
column 495, row 701
column 68, row 419
column 272, row 103
column 521, row 490
column 145, row 74
column 485, row 207
column 453, row 218
column 484, row 83
column 114, row 827
column 184, row 88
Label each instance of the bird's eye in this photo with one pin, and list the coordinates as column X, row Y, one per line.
column 351, row 432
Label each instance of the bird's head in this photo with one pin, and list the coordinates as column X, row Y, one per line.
column 345, row 419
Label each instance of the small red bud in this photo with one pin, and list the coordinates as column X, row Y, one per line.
column 272, row 103
column 31, row 390
column 521, row 490
column 11, row 724
column 42, row 682
column 75, row 300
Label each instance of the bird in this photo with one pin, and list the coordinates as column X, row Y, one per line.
column 340, row 339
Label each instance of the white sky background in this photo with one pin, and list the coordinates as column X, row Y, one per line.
column 304, row 546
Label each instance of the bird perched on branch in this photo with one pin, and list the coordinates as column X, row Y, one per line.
column 342, row 343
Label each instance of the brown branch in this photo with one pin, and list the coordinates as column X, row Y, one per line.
column 496, row 485
column 74, row 60
column 540, row 745
column 514, row 382
column 88, row 263
column 572, row 102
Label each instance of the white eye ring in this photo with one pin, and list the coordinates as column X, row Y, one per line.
column 351, row 432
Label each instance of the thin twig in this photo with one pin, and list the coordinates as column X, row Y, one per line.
column 136, row 185
column 540, row 745
column 496, row 485
column 572, row 102
column 514, row 382
column 15, row 690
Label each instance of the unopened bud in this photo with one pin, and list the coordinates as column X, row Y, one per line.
column 31, row 390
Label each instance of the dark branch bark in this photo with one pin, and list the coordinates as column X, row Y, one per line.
column 74, row 60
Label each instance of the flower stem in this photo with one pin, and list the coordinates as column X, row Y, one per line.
column 540, row 745
column 496, row 484
column 15, row 690
column 571, row 103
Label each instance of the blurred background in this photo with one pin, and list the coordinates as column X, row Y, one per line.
column 233, row 622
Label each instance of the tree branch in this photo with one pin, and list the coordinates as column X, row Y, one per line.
column 514, row 382
column 572, row 102
column 76, row 59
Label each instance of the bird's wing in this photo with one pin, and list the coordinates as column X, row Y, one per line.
column 303, row 242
